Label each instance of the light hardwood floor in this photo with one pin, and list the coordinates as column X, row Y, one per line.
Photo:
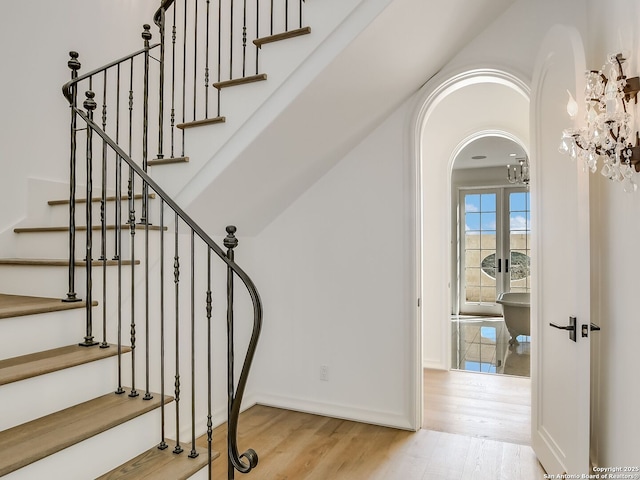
column 497, row 407
column 300, row 446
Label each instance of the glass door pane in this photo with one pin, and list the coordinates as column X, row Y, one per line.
column 478, row 251
column 519, row 274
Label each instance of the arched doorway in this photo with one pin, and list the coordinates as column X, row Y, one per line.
column 450, row 111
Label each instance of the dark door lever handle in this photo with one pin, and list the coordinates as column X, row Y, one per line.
column 587, row 328
column 565, row 327
column 571, row 327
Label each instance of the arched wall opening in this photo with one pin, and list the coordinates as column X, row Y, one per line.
column 452, row 112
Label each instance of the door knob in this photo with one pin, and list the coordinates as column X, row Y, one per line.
column 571, row 328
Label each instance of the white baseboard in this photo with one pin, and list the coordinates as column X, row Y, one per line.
column 385, row 419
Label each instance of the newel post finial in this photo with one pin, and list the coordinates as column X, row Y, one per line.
column 146, row 35
column 230, row 240
column 90, row 104
column 73, row 63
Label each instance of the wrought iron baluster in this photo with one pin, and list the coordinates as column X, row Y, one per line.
column 271, row 30
column 194, row 452
column 146, row 35
column 257, row 35
column 119, row 389
column 286, row 15
column 219, row 51
column 163, row 444
column 103, row 216
column 206, row 67
column 74, row 65
column 161, row 26
column 118, row 209
column 173, row 82
column 209, row 309
column 231, row 42
column 184, row 72
column 176, row 280
column 244, row 37
column 118, row 234
column 195, row 60
column 132, row 234
column 89, row 105
column 300, row 12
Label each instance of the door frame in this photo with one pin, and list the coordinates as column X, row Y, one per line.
column 433, row 92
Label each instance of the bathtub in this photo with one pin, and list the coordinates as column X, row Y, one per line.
column 515, row 309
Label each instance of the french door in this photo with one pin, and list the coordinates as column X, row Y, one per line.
column 495, row 247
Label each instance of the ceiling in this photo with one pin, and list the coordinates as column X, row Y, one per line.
column 498, row 152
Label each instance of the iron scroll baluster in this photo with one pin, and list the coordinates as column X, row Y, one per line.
column 235, row 398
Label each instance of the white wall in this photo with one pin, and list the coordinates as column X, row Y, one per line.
column 336, row 280
column 35, row 39
column 616, row 229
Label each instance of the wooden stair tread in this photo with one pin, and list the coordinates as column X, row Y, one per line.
column 167, row 161
column 240, row 81
column 161, row 464
column 198, row 123
column 19, row 305
column 110, row 198
column 282, row 36
column 37, row 439
column 40, row 363
column 57, row 262
column 79, row 228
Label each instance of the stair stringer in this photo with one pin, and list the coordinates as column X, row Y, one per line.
column 249, row 109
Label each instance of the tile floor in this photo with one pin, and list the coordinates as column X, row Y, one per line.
column 481, row 344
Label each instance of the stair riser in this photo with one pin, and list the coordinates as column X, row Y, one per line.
column 59, row 214
column 54, row 281
column 202, row 474
column 48, row 393
column 56, row 244
column 33, row 333
column 96, row 455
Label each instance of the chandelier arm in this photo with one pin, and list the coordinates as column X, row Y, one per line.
column 613, row 135
column 577, row 139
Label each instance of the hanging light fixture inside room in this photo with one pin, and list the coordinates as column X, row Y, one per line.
column 519, row 173
column 610, row 134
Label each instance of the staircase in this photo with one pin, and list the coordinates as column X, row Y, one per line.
column 109, row 381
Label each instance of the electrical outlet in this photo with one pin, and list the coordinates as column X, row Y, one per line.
column 324, row 373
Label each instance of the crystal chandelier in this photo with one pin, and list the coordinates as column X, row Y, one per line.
column 610, row 133
column 519, row 173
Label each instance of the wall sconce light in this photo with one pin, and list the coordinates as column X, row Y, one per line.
column 519, row 173
column 610, row 134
